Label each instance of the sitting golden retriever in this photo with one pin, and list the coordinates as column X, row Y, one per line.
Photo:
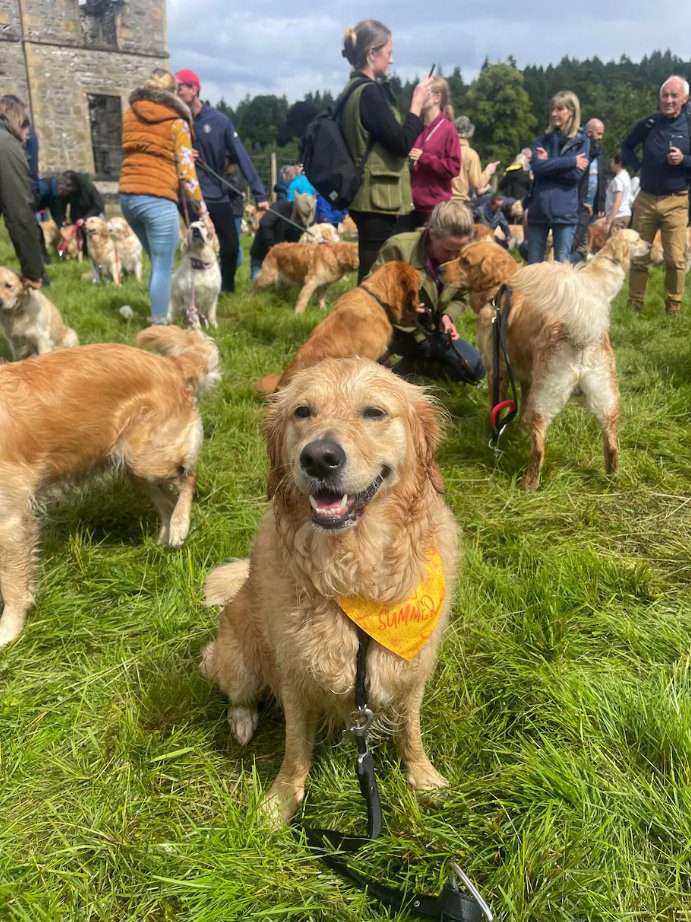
column 196, row 282
column 358, row 323
column 313, row 268
column 31, row 323
column 66, row 413
column 102, row 250
column 127, row 247
column 49, row 229
column 357, row 524
column 557, row 334
column 70, row 243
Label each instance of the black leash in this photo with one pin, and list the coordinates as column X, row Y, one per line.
column 499, row 419
column 451, row 905
column 225, row 182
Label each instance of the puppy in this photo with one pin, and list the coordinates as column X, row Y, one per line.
column 31, row 323
column 320, row 233
column 313, row 268
column 360, row 322
column 557, row 335
column 64, row 414
column 102, row 250
column 71, row 241
column 127, row 247
column 196, row 283
column 357, row 515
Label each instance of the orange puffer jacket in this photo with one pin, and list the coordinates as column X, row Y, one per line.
column 148, row 165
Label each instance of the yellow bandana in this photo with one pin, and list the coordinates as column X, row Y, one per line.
column 403, row 628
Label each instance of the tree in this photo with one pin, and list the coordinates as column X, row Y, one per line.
column 257, row 120
column 499, row 107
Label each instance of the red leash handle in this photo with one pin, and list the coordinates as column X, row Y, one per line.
column 496, row 410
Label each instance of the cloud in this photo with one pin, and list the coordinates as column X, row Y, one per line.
column 261, row 49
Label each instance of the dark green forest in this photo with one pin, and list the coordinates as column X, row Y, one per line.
column 507, row 105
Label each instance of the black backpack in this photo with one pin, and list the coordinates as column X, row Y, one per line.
column 326, row 160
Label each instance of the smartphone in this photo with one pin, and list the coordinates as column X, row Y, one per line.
column 431, row 73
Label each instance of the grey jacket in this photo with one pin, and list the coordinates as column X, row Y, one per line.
column 17, row 205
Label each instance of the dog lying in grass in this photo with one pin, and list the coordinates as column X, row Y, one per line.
column 31, row 323
column 68, row 413
column 357, row 515
column 313, row 268
column 197, row 280
column 557, row 334
column 358, row 323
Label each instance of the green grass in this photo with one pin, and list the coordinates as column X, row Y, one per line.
column 560, row 708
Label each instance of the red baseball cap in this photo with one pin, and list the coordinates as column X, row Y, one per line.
column 189, row 76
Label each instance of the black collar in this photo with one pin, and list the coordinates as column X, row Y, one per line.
column 199, row 264
column 388, row 310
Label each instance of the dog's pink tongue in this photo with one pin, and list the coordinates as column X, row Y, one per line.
column 333, row 505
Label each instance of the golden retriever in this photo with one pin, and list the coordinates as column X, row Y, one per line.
column 197, row 280
column 99, row 243
column 357, row 512
column 66, row 413
column 557, row 334
column 71, row 241
column 348, row 228
column 49, row 229
column 31, row 323
column 313, row 268
column 127, row 247
column 320, row 233
column 359, row 324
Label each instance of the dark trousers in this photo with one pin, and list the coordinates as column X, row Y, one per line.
column 221, row 213
column 373, row 231
column 437, row 356
column 411, row 222
column 579, row 248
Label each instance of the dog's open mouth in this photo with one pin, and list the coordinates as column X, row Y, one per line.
column 339, row 510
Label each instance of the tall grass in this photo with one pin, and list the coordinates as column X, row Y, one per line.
column 560, row 708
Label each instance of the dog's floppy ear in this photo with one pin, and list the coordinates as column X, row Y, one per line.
column 426, row 431
column 409, row 279
column 273, row 426
column 495, row 268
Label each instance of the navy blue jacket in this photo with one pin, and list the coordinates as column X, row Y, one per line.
column 493, row 219
column 218, row 144
column 658, row 133
column 554, row 196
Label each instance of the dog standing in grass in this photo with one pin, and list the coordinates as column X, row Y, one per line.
column 313, row 267
column 31, row 323
column 94, row 407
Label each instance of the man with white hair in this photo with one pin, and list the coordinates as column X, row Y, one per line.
column 663, row 202
column 591, row 190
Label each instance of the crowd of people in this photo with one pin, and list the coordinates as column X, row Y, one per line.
column 183, row 157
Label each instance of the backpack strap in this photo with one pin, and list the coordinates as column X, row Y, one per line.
column 340, row 105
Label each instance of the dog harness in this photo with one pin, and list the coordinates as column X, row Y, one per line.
column 403, row 628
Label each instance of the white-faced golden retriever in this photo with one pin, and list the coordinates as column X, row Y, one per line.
column 357, row 512
column 31, row 323
column 197, row 280
column 69, row 412
column 557, row 334
column 101, row 248
column 127, row 247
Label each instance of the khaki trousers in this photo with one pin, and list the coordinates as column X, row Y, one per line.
column 668, row 214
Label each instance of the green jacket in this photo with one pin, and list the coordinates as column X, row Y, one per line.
column 385, row 186
column 411, row 248
column 17, row 205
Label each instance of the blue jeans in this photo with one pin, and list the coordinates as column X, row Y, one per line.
column 255, row 267
column 562, row 238
column 238, row 228
column 155, row 222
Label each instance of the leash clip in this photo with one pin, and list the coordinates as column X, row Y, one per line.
column 359, row 722
column 455, row 871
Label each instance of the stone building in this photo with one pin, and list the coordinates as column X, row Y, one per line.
column 74, row 63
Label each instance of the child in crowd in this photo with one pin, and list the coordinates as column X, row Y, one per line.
column 618, row 198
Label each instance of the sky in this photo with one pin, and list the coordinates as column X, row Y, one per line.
column 263, row 46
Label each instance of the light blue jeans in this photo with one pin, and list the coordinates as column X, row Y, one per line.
column 155, row 222
column 562, row 238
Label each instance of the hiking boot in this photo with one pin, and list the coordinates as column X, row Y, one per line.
column 672, row 308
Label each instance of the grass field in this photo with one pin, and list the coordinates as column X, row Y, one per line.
column 560, row 708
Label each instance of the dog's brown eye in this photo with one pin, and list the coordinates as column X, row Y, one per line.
column 373, row 413
column 303, row 412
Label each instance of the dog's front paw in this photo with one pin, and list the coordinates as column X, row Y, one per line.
column 177, row 532
column 425, row 777
column 281, row 803
column 243, row 722
column 9, row 632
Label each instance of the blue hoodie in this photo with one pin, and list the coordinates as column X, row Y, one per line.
column 554, row 196
column 218, row 143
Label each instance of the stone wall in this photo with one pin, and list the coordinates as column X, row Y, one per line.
column 62, row 71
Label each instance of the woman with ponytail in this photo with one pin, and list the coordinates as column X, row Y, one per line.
column 371, row 125
column 435, row 158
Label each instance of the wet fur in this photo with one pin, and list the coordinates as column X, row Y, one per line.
column 282, row 633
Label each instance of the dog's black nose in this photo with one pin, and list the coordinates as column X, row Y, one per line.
column 322, row 458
